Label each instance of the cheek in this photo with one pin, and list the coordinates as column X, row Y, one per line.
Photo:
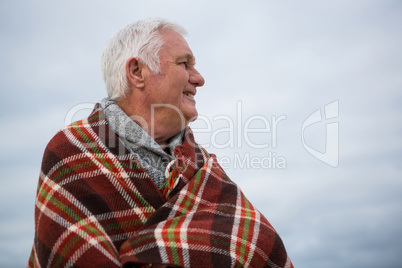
column 182, row 77
column 179, row 83
column 174, row 87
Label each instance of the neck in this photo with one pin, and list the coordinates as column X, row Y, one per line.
column 153, row 123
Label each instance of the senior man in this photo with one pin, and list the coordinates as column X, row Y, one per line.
column 129, row 187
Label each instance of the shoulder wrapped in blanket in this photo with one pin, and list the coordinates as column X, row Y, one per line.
column 97, row 207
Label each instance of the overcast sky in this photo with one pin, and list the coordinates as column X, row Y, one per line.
column 330, row 185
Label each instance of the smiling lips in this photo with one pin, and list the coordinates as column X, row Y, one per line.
column 191, row 95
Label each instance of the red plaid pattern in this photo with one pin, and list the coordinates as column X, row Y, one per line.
column 97, row 207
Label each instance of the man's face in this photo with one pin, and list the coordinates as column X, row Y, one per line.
column 174, row 88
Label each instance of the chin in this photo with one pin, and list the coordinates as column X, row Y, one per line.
column 190, row 117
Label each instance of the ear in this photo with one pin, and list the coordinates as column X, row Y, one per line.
column 134, row 72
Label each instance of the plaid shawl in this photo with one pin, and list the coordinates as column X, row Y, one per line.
column 97, row 207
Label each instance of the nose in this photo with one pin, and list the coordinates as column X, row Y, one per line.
column 196, row 78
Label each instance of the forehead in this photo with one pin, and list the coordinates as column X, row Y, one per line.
column 175, row 44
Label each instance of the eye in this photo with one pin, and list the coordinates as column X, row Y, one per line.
column 184, row 64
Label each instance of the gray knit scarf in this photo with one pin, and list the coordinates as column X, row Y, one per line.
column 148, row 153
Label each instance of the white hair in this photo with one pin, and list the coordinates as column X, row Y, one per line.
column 142, row 40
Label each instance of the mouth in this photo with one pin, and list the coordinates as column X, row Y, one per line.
column 188, row 94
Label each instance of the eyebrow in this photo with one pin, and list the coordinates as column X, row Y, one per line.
column 188, row 56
